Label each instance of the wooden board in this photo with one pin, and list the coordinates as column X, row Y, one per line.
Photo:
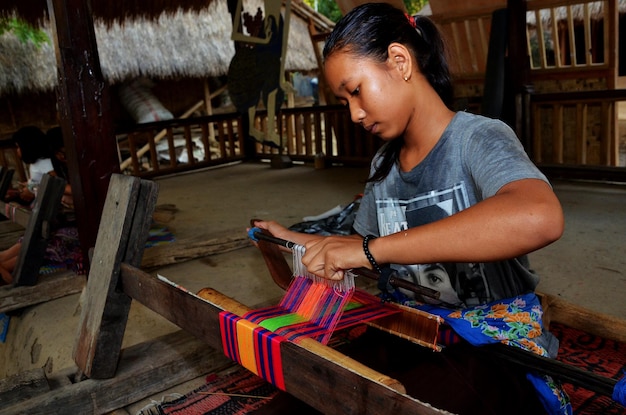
column 48, row 287
column 144, row 369
column 187, row 249
column 124, row 229
column 38, row 230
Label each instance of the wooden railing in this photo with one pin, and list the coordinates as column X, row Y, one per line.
column 577, row 128
column 325, row 133
column 183, row 144
column 573, row 39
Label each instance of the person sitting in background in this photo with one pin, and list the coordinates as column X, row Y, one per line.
column 63, row 249
column 56, row 148
column 33, row 150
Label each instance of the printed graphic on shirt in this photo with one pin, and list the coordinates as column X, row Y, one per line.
column 458, row 283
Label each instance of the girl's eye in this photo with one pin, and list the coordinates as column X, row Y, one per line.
column 355, row 92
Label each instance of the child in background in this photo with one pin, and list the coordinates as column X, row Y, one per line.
column 63, row 250
column 32, row 149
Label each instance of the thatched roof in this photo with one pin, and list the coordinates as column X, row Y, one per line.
column 192, row 42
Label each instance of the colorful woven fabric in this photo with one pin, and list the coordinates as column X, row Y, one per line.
column 255, row 348
column 360, row 307
column 159, row 235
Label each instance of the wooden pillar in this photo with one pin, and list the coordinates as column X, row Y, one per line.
column 518, row 71
column 84, row 112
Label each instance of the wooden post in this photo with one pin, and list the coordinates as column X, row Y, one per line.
column 125, row 226
column 84, row 111
column 38, row 231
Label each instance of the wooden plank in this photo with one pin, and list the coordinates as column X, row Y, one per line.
column 48, row 287
column 6, row 181
column 308, row 368
column 192, row 248
column 144, row 369
column 10, row 232
column 15, row 212
column 599, row 324
column 125, row 226
column 38, row 231
column 22, row 386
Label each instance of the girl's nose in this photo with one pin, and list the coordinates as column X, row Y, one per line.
column 357, row 114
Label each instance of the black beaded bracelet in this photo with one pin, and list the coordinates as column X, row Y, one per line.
column 369, row 255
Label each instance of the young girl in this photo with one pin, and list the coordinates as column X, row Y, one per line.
column 32, row 148
column 452, row 202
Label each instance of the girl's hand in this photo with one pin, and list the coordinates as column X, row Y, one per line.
column 331, row 256
column 275, row 228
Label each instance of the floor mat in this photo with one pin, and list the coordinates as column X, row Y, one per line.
column 237, row 392
column 595, row 354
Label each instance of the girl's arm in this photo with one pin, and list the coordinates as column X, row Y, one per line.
column 521, row 217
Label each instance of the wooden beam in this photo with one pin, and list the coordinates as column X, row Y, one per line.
column 308, row 368
column 84, row 113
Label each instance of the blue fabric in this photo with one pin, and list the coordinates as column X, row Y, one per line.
column 515, row 322
column 619, row 392
column 4, row 326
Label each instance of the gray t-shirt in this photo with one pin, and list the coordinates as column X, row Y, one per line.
column 473, row 159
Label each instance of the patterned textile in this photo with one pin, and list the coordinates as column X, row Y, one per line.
column 239, row 392
column 64, row 252
column 159, row 235
column 595, row 354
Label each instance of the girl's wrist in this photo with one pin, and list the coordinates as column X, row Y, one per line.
column 368, row 254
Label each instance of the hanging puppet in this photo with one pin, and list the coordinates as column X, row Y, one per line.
column 257, row 69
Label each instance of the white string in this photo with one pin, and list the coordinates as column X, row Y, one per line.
column 341, row 287
column 154, row 404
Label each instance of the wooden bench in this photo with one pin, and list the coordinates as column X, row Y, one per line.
column 28, row 286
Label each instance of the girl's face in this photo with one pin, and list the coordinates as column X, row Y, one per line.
column 376, row 93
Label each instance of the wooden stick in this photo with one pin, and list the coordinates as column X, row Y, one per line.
column 363, row 272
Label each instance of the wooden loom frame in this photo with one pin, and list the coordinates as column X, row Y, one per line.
column 109, row 378
column 114, row 281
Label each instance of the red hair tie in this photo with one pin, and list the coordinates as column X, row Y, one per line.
column 411, row 20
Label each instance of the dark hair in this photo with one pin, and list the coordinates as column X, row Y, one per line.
column 56, row 144
column 32, row 143
column 369, row 29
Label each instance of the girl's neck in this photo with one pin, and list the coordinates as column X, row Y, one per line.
column 424, row 133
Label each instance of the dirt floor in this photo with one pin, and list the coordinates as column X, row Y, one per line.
column 587, row 266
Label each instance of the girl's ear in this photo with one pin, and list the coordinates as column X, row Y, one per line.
column 400, row 60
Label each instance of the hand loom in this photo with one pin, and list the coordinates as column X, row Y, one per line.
column 310, row 369
column 599, row 384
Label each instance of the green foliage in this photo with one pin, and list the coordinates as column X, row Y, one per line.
column 330, row 9
column 24, row 31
